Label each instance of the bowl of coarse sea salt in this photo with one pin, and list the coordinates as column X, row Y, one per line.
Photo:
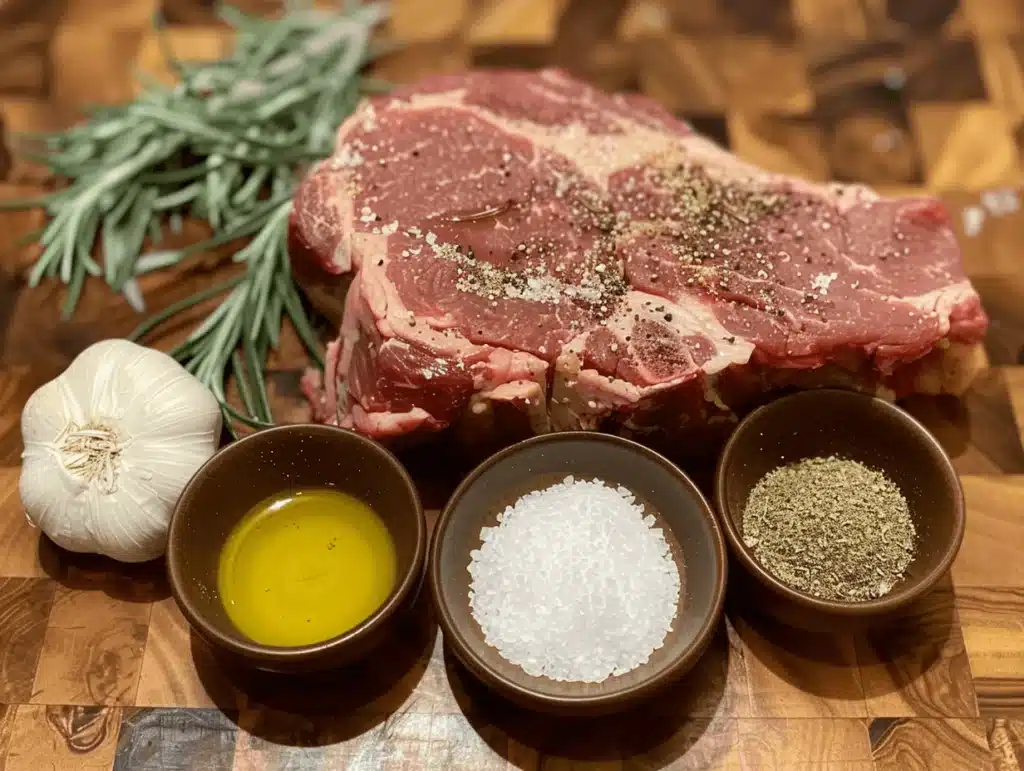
column 578, row 573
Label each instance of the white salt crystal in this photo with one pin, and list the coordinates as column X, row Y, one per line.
column 1000, row 202
column 346, row 157
column 574, row 583
column 974, row 216
column 823, row 281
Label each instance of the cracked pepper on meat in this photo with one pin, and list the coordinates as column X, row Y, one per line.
column 530, row 254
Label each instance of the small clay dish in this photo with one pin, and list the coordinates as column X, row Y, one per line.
column 268, row 462
column 666, row 492
column 849, row 425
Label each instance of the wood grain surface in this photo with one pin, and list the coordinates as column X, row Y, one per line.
column 99, row 670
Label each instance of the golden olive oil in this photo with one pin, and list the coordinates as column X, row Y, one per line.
column 304, row 566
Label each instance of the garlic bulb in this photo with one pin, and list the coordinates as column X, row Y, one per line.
column 109, row 446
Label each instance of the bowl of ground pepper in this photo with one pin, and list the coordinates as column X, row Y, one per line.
column 841, row 508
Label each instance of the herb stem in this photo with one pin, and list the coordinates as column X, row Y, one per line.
column 225, row 144
column 175, row 308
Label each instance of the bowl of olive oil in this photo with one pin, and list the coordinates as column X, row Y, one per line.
column 297, row 548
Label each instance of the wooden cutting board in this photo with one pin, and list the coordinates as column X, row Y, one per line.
column 98, row 670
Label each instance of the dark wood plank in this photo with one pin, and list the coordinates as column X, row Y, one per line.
column 942, row 70
column 860, row 107
column 922, row 16
column 910, row 744
column 710, row 125
column 24, row 610
column 62, row 738
column 745, row 17
column 188, row 12
column 1006, row 742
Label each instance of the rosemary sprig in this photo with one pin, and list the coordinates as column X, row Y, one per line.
column 225, row 144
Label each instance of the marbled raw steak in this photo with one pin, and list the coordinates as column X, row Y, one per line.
column 529, row 254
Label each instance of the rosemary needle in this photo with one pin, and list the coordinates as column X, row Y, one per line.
column 225, row 144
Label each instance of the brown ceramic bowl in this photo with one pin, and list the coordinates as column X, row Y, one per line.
column 534, row 464
column 851, row 425
column 268, row 462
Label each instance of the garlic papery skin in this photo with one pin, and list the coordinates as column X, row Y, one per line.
column 109, row 447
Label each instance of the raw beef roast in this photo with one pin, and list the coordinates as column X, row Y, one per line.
column 529, row 254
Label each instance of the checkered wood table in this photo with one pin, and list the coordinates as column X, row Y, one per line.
column 98, row 669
